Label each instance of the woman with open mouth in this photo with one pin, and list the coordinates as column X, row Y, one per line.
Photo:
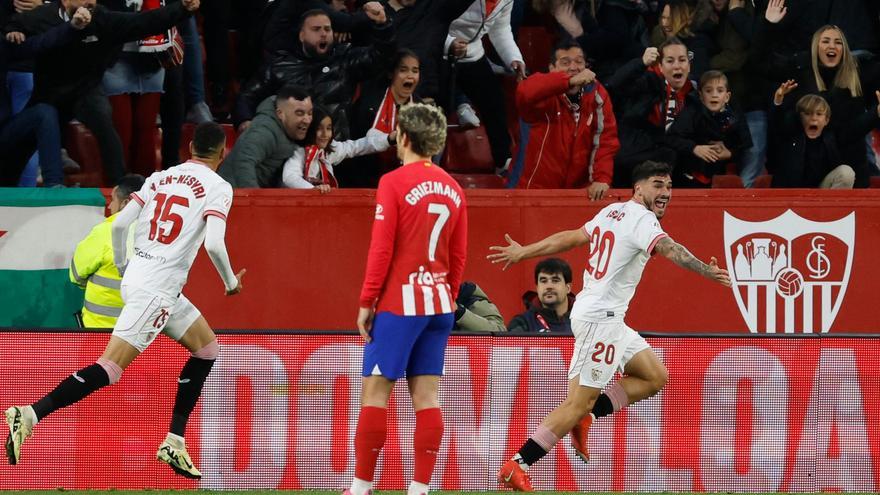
column 376, row 111
column 834, row 75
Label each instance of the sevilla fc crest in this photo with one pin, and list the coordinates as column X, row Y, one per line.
column 789, row 274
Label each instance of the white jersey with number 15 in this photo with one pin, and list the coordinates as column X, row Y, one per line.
column 622, row 237
column 171, row 226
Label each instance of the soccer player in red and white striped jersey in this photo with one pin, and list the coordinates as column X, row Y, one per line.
column 414, row 269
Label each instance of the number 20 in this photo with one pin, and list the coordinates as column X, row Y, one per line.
column 607, row 350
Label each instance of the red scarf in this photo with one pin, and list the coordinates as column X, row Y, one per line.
column 665, row 112
column 386, row 121
column 315, row 168
column 386, row 117
column 157, row 42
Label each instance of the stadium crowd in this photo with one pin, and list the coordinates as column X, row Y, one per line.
column 539, row 93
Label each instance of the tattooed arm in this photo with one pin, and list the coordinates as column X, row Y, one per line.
column 679, row 255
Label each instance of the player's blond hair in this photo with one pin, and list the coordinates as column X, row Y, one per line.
column 425, row 126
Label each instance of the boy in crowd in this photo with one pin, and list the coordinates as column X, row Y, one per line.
column 803, row 153
column 707, row 137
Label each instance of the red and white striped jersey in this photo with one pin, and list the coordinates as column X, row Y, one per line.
column 171, row 225
column 419, row 242
column 622, row 238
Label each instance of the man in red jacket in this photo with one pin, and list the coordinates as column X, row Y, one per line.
column 573, row 132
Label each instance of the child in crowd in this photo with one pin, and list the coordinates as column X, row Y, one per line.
column 804, row 151
column 312, row 167
column 707, row 137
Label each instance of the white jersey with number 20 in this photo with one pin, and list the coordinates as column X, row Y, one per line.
column 171, row 226
column 622, row 237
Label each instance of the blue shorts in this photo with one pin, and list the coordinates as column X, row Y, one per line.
column 407, row 345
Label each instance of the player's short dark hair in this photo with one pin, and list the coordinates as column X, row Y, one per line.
column 129, row 183
column 552, row 266
column 564, row 44
column 289, row 91
column 319, row 112
column 648, row 169
column 425, row 126
column 311, row 13
column 208, row 139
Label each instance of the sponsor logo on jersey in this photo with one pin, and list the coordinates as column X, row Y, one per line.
column 789, row 274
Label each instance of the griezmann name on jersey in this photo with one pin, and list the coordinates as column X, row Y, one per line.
column 622, row 239
column 419, row 242
column 171, row 225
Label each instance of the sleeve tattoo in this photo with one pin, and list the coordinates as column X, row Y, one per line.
column 679, row 255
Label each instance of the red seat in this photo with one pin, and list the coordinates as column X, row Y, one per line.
column 763, row 182
column 479, row 181
column 83, row 148
column 727, row 181
column 875, row 183
column 468, row 151
column 535, row 43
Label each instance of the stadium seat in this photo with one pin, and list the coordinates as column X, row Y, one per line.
column 468, row 151
column 763, row 181
column 875, row 182
column 535, row 43
column 727, row 181
column 479, row 181
column 83, row 148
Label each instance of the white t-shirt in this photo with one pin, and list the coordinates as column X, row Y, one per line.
column 622, row 237
column 171, row 225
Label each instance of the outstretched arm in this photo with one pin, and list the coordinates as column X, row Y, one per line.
column 556, row 243
column 679, row 255
column 215, row 245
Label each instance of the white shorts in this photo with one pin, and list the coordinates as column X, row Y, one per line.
column 600, row 349
column 146, row 315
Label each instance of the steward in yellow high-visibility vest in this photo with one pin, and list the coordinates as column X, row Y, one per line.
column 92, row 265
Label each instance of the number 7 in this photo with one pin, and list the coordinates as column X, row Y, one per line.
column 442, row 212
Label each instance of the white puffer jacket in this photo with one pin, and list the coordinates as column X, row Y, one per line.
column 471, row 27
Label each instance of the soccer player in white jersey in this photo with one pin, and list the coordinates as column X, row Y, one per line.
column 175, row 211
column 620, row 240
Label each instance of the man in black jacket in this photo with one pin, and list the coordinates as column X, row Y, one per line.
column 331, row 71
column 36, row 127
column 70, row 78
column 549, row 306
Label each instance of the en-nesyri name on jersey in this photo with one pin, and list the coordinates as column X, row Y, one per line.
column 622, row 237
column 171, row 225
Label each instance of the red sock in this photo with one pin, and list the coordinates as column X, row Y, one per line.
column 368, row 441
column 426, row 443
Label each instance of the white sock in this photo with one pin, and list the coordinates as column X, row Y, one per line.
column 176, row 441
column 360, row 487
column 416, row 488
column 518, row 458
column 31, row 415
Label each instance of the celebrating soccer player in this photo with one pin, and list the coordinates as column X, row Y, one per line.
column 175, row 211
column 620, row 240
column 414, row 269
